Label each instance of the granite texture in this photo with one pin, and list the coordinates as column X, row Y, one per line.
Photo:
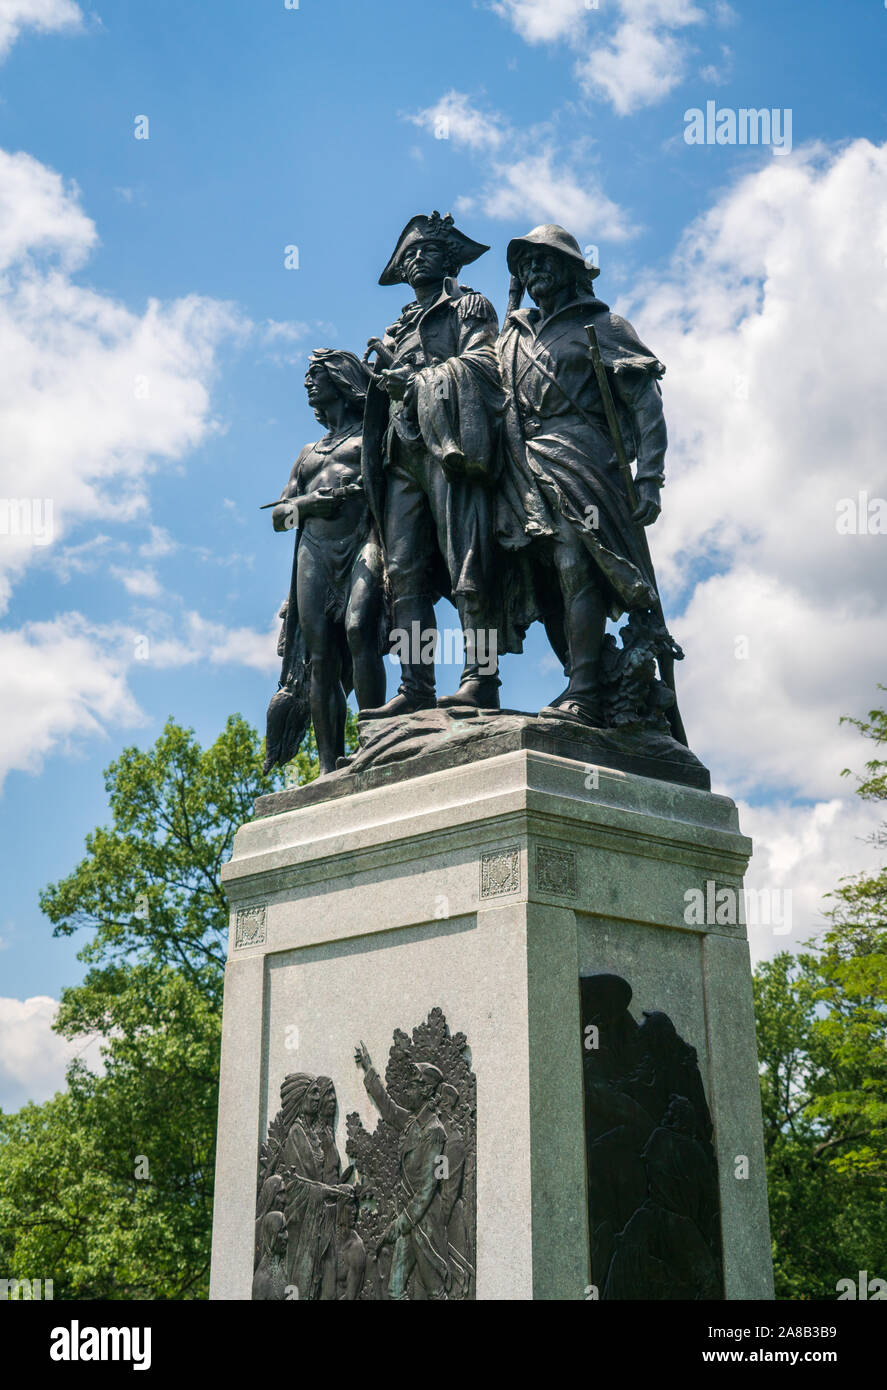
column 484, row 889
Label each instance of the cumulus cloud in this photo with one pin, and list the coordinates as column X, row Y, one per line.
column 639, row 66
column 68, row 679
column 454, row 117
column 62, row 680
column 199, row 641
column 631, row 53
column 33, row 1058
column 772, row 320
column 43, row 15
column 541, row 21
column 803, row 851
column 523, row 177
column 539, row 189
column 93, row 396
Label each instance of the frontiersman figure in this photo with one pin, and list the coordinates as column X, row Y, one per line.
column 418, row 1232
column 562, row 499
column 429, row 456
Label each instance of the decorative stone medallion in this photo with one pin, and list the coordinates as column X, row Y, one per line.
column 249, row 929
column 500, row 872
column 557, row 871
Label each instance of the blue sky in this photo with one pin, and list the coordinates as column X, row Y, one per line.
column 155, row 346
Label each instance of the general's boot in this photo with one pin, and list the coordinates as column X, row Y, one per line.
column 406, row 701
column 475, row 692
column 414, row 617
column 479, row 683
column 567, row 706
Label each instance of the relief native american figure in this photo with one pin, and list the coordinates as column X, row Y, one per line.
column 653, row 1196
column 324, row 1257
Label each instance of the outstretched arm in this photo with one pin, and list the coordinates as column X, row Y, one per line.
column 391, row 1111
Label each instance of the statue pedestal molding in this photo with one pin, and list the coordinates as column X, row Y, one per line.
column 493, row 891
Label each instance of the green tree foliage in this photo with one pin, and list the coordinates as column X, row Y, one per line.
column 822, row 1044
column 107, row 1188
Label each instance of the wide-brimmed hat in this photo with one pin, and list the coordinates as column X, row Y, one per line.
column 555, row 238
column 428, row 1072
column 433, row 228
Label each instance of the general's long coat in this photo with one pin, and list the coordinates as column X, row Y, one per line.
column 457, row 409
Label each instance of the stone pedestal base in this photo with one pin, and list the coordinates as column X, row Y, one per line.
column 487, row 891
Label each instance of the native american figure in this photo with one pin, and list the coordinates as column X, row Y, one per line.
column 269, row 1280
column 299, row 1162
column 334, row 630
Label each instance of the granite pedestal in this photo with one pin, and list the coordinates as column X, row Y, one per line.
column 487, row 890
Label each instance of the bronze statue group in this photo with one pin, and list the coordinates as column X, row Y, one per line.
column 488, row 467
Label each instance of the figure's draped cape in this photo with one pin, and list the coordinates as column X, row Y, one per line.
column 573, row 467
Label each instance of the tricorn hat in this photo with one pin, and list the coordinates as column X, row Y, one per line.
column 556, row 238
column 433, row 228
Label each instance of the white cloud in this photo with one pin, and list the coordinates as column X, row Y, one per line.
column 804, row 850
column 768, row 720
column 93, row 396
column 68, row 680
column 62, row 680
column 33, row 1058
column 39, row 213
column 539, row 189
column 531, row 184
column 637, row 67
column 772, row 320
column 541, row 21
column 633, row 52
column 287, row 330
column 44, row 15
column 454, row 118
column 140, row 583
column 203, row 641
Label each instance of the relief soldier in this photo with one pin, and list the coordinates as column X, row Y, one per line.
column 418, row 1232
